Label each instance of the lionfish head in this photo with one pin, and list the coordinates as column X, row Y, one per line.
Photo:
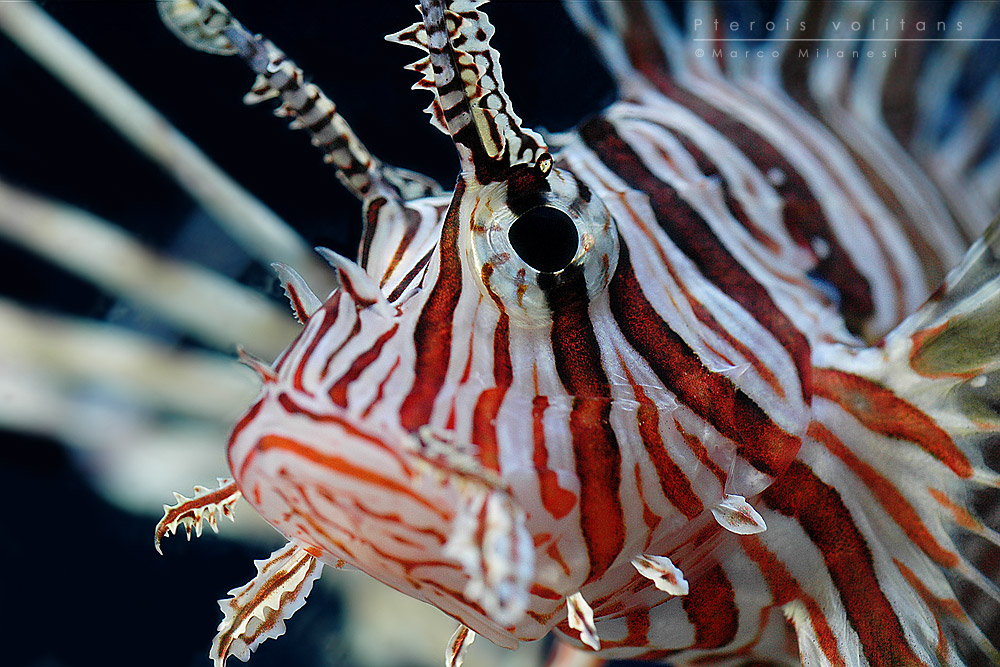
column 558, row 384
column 404, row 432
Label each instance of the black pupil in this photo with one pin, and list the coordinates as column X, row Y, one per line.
column 544, row 238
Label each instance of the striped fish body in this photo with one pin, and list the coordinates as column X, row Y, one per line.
column 543, row 400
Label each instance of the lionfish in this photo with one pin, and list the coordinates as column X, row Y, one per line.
column 672, row 384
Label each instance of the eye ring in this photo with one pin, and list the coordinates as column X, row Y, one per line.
column 509, row 274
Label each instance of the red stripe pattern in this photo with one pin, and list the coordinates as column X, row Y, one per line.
column 599, row 353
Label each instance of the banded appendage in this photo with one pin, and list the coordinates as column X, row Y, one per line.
column 258, row 610
column 208, row 26
column 399, row 224
column 193, row 513
column 470, row 103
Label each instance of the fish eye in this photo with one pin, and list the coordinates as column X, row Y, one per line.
column 522, row 241
column 545, row 238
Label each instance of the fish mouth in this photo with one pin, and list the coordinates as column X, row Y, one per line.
column 383, row 502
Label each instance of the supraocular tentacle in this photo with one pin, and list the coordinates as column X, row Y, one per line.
column 208, row 26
